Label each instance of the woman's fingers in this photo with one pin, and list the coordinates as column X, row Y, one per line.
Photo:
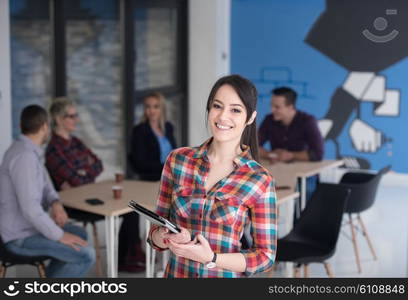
column 183, row 237
column 201, row 239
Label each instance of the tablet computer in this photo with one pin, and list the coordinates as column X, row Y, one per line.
column 153, row 217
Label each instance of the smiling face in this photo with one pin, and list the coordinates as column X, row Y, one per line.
column 227, row 115
column 280, row 110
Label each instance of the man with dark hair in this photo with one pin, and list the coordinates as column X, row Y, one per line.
column 26, row 192
column 33, row 117
column 293, row 134
column 289, row 95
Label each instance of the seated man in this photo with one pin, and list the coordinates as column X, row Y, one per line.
column 26, row 192
column 293, row 134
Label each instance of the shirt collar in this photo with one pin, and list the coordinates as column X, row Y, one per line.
column 31, row 145
column 55, row 138
column 240, row 160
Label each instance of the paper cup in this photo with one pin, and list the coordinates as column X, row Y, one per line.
column 117, row 192
column 119, row 177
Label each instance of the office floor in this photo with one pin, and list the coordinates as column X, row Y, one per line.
column 387, row 224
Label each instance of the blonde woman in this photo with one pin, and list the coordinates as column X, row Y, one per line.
column 152, row 139
column 69, row 161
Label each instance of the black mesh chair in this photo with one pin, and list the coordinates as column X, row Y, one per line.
column 89, row 218
column 363, row 188
column 9, row 259
column 314, row 237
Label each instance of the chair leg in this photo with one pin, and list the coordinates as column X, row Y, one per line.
column 354, row 240
column 272, row 271
column 41, row 270
column 297, row 271
column 306, row 271
column 98, row 264
column 365, row 233
column 3, row 271
column 328, row 270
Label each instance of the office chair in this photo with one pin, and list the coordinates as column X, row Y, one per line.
column 314, row 237
column 9, row 259
column 363, row 188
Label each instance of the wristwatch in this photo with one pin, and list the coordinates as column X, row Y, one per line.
column 212, row 264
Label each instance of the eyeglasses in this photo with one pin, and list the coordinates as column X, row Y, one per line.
column 71, row 116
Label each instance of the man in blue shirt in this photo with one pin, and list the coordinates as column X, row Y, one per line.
column 26, row 193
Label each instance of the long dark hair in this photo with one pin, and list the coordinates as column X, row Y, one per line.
column 248, row 95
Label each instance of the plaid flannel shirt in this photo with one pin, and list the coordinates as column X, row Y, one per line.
column 245, row 197
column 64, row 159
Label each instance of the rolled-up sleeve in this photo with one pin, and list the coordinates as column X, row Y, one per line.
column 261, row 256
column 314, row 140
column 165, row 195
column 25, row 176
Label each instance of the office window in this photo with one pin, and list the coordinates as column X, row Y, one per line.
column 106, row 55
column 160, row 58
column 30, row 42
column 93, row 75
column 156, row 47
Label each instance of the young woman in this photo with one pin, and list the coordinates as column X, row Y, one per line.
column 217, row 189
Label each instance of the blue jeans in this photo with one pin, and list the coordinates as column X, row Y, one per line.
column 66, row 261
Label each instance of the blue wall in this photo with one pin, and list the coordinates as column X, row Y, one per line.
column 267, row 45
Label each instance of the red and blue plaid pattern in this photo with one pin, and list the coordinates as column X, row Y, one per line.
column 64, row 159
column 245, row 197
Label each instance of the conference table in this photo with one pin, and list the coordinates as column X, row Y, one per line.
column 144, row 193
column 287, row 174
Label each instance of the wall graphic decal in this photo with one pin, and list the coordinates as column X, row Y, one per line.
column 347, row 61
column 364, row 38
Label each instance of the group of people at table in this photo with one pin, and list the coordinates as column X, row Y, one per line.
column 212, row 191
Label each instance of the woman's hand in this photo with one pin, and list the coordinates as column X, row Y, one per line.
column 180, row 238
column 198, row 250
